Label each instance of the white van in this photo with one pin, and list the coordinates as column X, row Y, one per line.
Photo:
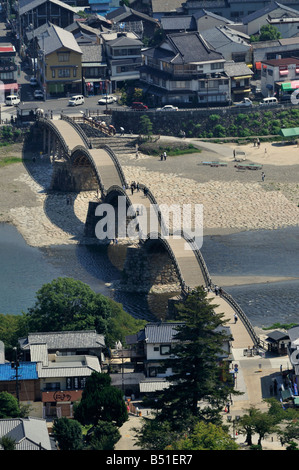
column 12, row 100
column 75, row 100
column 268, row 101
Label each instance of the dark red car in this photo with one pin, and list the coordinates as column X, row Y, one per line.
column 139, row 106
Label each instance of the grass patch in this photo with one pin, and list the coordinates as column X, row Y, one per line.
column 284, row 326
column 172, row 150
column 9, row 161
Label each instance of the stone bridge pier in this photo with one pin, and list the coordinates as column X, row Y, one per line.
column 149, row 270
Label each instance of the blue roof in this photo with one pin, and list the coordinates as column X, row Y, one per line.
column 26, row 371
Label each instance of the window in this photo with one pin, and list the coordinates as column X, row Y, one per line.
column 63, row 56
column 217, row 65
column 53, row 73
column 52, row 386
column 64, row 73
column 74, row 72
column 165, row 349
column 7, row 76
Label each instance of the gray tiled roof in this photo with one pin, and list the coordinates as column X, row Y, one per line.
column 191, row 47
column 65, row 340
column 92, row 53
column 55, row 37
column 123, row 12
column 29, row 433
column 183, row 22
column 233, row 69
column 202, row 12
column 27, row 5
column 160, row 332
column 125, row 41
column 220, row 36
column 268, row 9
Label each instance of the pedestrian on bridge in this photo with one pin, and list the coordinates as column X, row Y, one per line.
column 122, row 131
column 236, row 318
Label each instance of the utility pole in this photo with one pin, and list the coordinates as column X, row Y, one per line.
column 15, row 365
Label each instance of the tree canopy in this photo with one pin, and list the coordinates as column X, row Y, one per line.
column 199, row 385
column 101, row 401
column 196, row 365
column 67, row 304
column 267, row 33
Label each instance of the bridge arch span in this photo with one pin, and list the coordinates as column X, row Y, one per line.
column 185, row 256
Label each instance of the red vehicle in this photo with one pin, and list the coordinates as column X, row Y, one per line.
column 139, row 106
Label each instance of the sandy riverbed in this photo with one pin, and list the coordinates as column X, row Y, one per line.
column 232, row 201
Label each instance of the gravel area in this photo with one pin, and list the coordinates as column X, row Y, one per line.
column 232, row 200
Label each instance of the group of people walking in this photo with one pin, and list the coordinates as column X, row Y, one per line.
column 134, row 186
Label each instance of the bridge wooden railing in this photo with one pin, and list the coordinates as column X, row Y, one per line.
column 243, row 317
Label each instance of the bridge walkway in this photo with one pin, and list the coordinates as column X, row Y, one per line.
column 71, row 136
column 106, row 168
column 241, row 336
column 187, row 262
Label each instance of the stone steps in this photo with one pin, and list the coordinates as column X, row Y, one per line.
column 117, row 144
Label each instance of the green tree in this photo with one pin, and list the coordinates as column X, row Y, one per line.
column 67, row 304
column 146, row 126
column 196, row 366
column 290, row 433
column 206, row 436
column 257, row 422
column 8, row 443
column 137, row 94
column 267, row 33
column 9, row 407
column 12, row 327
column 104, row 436
column 101, row 401
column 157, row 434
column 68, row 433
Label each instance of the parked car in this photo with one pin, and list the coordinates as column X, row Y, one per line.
column 38, row 94
column 271, row 100
column 168, row 107
column 107, row 100
column 12, row 100
column 76, row 100
column 33, row 81
column 244, row 102
column 139, row 106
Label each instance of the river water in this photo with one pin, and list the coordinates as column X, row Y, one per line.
column 25, row 269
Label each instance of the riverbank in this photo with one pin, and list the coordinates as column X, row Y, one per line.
column 232, row 200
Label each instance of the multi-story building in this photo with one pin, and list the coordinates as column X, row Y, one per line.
column 151, row 347
column 184, row 69
column 240, row 78
column 94, row 69
column 8, row 71
column 54, row 371
column 123, row 53
column 59, row 62
column 279, row 76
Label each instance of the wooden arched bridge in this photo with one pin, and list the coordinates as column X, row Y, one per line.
column 78, row 166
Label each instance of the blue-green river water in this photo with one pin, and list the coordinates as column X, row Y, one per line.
column 25, row 269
